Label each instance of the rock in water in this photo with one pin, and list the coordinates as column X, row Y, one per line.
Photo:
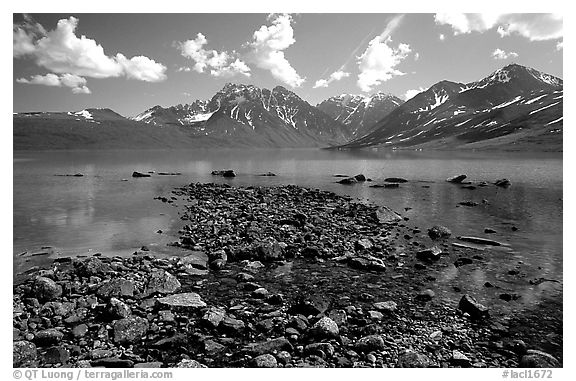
column 130, row 330
column 503, row 183
column 456, row 179
column 469, row 305
column 395, row 180
column 185, row 300
column 348, row 181
column 385, row 215
column 438, row 232
column 140, row 174
column 481, row 241
column 224, row 173
column 410, row 359
column 360, row 178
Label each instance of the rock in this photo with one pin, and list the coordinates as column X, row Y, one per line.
column 470, row 306
column 395, row 180
column 339, row 316
column 503, row 183
column 265, row 361
column 367, row 262
column 253, row 266
column 388, row 306
column 410, row 359
column 224, row 173
column 117, row 309
column 538, row 359
column 489, row 231
column 56, row 355
column 260, row 293
column 112, row 362
column 211, row 347
column 130, row 330
column 213, row 317
column 370, row 343
column 459, row 359
column 425, row 296
column 375, row 315
column 438, row 232
column 217, row 260
column 270, row 346
column 283, row 357
column 140, row 174
column 456, row 179
column 80, row 330
column 188, row 300
column 392, row 185
column 153, row 364
column 429, row 255
column 23, row 353
column 166, row 316
column 190, row 364
column 100, row 354
column 92, row 266
column 468, row 203
column 48, row 336
column 267, row 174
column 162, row 282
column 363, row 244
column 385, row 215
column 269, row 250
column 52, row 309
column 232, row 326
column 322, row 350
column 463, row 261
column 243, row 277
column 508, row 297
column 325, row 328
column 360, row 178
column 309, row 305
column 481, row 241
column 45, row 289
column 116, row 288
column 348, row 181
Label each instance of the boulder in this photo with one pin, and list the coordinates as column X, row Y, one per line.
column 438, row 232
column 456, row 179
column 48, row 336
column 411, row 359
column 187, row 300
column 232, row 326
column 309, row 305
column 370, row 343
column 470, row 306
column 269, row 250
column 140, row 174
column 348, row 181
column 92, row 266
column 385, row 215
column 363, row 244
column 325, row 328
column 538, row 359
column 503, row 183
column 265, row 361
column 429, row 255
column 56, row 355
column 130, row 330
column 388, row 306
column 117, row 309
column 45, row 289
column 117, row 287
column 224, row 173
column 161, row 282
column 320, row 349
column 213, row 317
column 360, row 177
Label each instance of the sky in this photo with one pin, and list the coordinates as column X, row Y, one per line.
column 131, row 62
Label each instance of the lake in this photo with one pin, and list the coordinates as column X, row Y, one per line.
column 110, row 212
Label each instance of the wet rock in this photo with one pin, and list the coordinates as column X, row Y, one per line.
column 429, row 255
column 410, row 359
column 224, row 173
column 265, row 361
column 470, row 306
column 388, row 306
column 438, row 232
column 162, row 282
column 56, row 355
column 503, row 183
column 348, row 181
column 48, row 336
column 325, row 328
column 23, row 353
column 130, row 330
column 45, row 289
column 360, row 178
column 117, row 309
column 116, row 288
column 370, row 343
column 481, row 241
column 188, row 300
column 395, row 180
column 190, row 364
column 456, row 179
column 140, row 174
column 213, row 317
column 385, row 215
column 270, row 346
column 267, row 174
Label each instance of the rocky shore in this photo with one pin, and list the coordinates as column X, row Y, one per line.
column 275, row 277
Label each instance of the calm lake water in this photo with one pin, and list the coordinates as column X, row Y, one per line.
column 101, row 213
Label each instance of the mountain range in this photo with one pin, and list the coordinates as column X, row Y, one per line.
column 513, row 108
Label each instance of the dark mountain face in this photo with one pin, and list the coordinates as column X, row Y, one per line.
column 512, row 100
column 245, row 113
column 360, row 113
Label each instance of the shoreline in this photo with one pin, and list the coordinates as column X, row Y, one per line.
column 333, row 283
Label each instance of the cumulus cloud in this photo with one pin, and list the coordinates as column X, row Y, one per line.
column 500, row 54
column 336, row 76
column 218, row 64
column 61, row 51
column 267, row 49
column 413, row 92
column 534, row 26
column 378, row 63
column 442, row 37
column 560, row 45
column 75, row 83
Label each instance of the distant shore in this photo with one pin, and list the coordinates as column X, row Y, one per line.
column 279, row 276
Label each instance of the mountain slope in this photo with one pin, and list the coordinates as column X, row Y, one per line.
column 360, row 113
column 247, row 115
column 509, row 101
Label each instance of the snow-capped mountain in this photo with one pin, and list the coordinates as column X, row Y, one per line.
column 514, row 101
column 248, row 115
column 360, row 113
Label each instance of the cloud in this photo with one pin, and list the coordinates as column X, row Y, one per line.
column 534, row 26
column 74, row 82
column 500, row 54
column 218, row 64
column 441, row 37
column 416, row 56
column 267, row 49
column 560, row 45
column 413, row 92
column 62, row 52
column 336, row 76
column 378, row 63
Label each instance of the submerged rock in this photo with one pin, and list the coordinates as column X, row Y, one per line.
column 224, row 173
column 481, row 241
column 395, row 180
column 503, row 183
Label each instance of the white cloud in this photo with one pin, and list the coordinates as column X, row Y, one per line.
column 413, row 92
column 500, row 54
column 441, row 37
column 378, row 63
column 74, row 82
column 62, row 52
column 560, row 45
column 336, row 76
column 534, row 26
column 416, row 56
column 218, row 64
column 267, row 49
